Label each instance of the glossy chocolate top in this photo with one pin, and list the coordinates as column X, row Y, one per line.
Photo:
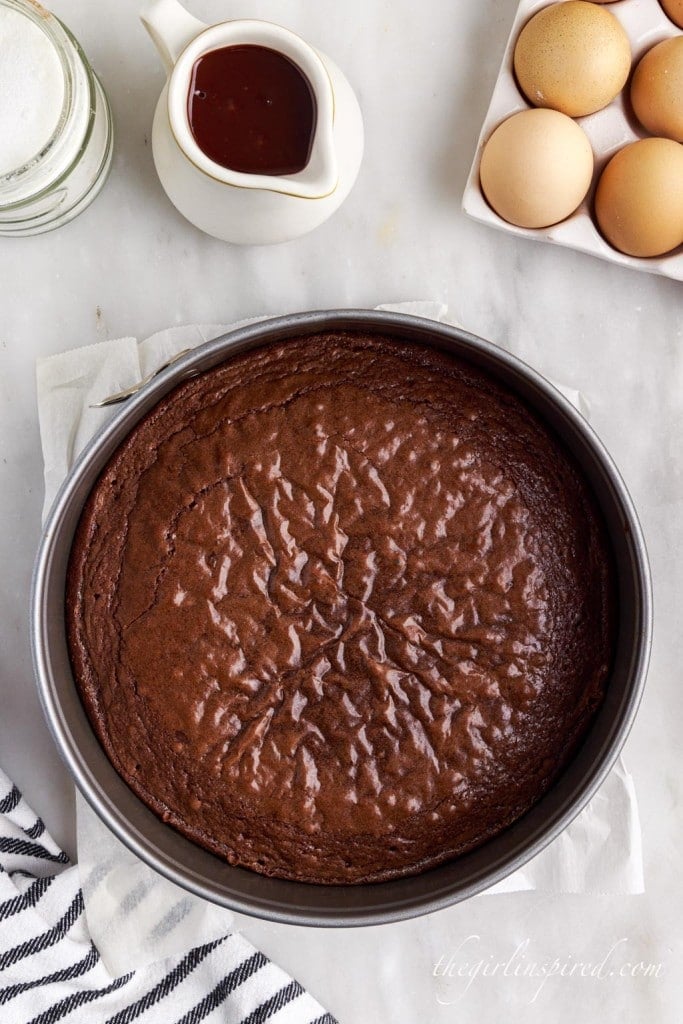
column 340, row 608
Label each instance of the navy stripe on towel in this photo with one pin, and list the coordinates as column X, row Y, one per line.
column 9, row 802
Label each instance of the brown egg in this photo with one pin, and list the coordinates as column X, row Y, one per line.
column 657, row 89
column 573, row 56
column 536, row 168
column 639, row 199
column 674, row 8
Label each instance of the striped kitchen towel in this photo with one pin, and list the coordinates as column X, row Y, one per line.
column 51, row 972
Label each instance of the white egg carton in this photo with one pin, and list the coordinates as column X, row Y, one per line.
column 608, row 131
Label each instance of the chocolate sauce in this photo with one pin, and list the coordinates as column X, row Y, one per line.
column 251, row 109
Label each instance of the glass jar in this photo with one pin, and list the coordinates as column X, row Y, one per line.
column 61, row 180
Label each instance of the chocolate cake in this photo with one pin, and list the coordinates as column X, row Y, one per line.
column 341, row 608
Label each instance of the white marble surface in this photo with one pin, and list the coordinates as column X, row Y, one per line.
column 130, row 265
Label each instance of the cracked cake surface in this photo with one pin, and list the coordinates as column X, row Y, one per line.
column 341, row 608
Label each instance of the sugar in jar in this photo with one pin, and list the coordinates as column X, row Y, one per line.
column 55, row 122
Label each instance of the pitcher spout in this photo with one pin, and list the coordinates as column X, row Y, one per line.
column 320, row 177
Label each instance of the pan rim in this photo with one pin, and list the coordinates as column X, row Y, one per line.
column 513, row 372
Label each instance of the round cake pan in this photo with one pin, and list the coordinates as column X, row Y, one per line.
column 202, row 873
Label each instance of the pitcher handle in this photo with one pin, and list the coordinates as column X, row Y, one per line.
column 171, row 28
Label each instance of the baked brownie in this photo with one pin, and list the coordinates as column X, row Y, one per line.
column 341, row 608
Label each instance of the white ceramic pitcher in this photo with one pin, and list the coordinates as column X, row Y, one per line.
column 250, row 209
